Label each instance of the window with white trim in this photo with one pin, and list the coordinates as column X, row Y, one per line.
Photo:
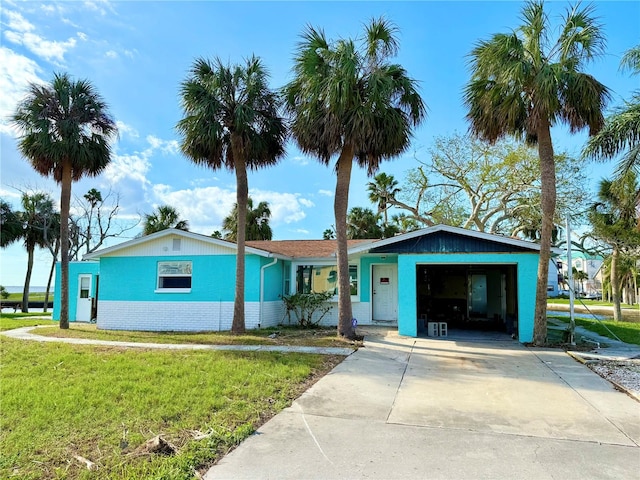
column 174, row 276
column 323, row 278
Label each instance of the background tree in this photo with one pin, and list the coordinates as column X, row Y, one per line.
column 404, row 223
column 523, row 83
column 349, row 101
column 93, row 221
column 383, row 189
column 37, row 210
column 621, row 133
column 614, row 221
column 65, row 133
column 163, row 218
column 363, row 223
column 10, row 224
column 492, row 188
column 257, row 227
column 329, row 234
column 231, row 120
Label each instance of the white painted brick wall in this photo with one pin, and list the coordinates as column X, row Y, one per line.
column 202, row 316
column 172, row 316
column 272, row 314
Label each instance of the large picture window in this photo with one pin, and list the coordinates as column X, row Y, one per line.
column 174, row 276
column 323, row 278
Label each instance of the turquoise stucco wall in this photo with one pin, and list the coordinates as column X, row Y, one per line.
column 365, row 272
column 213, row 279
column 75, row 269
column 273, row 279
column 527, row 265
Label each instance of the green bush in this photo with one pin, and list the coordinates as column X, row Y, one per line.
column 305, row 305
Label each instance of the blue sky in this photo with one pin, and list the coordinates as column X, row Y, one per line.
column 137, row 53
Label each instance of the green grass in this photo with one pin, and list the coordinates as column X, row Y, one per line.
column 587, row 302
column 61, row 400
column 9, row 321
column 628, row 332
column 33, row 297
column 286, row 336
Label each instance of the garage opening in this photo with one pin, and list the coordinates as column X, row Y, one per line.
column 468, row 297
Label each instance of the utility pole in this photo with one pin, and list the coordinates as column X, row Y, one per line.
column 572, row 320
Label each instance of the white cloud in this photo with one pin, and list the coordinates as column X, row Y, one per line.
column 100, row 6
column 20, row 31
column 300, row 160
column 17, row 22
column 111, row 54
column 49, row 50
column 165, row 146
column 285, row 207
column 125, row 129
column 204, row 207
column 326, row 193
column 132, row 167
column 16, row 73
column 82, row 36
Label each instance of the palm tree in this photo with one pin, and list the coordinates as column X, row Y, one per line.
column 65, row 133
column 163, row 218
column 523, row 83
column 621, row 133
column 10, row 225
column 231, row 120
column 614, row 221
column 257, row 227
column 363, row 223
column 404, row 223
column 37, row 212
column 94, row 198
column 350, row 102
column 381, row 190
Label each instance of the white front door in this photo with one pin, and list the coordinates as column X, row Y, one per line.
column 385, row 293
column 83, row 307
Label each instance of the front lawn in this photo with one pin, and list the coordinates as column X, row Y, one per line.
column 628, row 332
column 9, row 321
column 61, row 403
column 326, row 337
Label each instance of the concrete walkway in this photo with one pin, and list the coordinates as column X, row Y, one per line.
column 471, row 407
column 605, row 348
column 25, row 333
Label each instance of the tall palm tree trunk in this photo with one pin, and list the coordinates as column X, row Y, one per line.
column 340, row 205
column 615, row 284
column 242, row 192
column 548, row 201
column 27, row 280
column 65, row 202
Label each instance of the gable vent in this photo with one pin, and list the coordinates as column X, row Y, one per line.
column 176, row 244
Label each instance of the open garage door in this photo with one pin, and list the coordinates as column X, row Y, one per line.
column 473, row 297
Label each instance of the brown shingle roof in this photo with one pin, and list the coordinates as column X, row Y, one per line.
column 301, row 248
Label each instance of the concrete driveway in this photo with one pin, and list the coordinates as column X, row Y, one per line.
column 471, row 407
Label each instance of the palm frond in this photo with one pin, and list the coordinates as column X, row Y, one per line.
column 631, row 60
